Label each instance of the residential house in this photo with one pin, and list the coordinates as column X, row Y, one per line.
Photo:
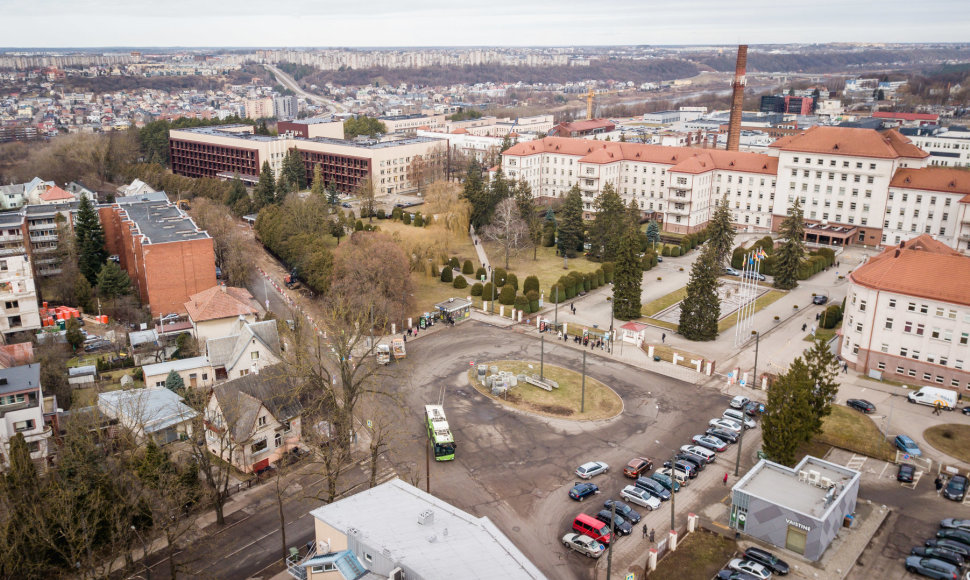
column 387, row 530
column 195, row 372
column 50, row 196
column 16, row 195
column 24, row 409
column 154, row 412
column 252, row 421
column 215, row 312
column 135, row 188
column 255, row 346
column 18, row 296
column 146, row 347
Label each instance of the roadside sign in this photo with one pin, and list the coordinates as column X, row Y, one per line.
column 742, row 382
column 630, row 576
column 905, row 455
column 370, row 424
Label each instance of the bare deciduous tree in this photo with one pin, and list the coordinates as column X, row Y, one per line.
column 234, row 250
column 444, row 201
column 507, row 228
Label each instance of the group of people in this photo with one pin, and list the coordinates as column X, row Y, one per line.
column 584, row 340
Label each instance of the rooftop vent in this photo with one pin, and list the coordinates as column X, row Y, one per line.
column 426, row 518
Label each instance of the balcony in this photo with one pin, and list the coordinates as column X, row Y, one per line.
column 48, row 238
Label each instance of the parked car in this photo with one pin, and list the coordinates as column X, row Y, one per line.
column 581, row 491
column 734, row 575
column 905, row 473
column 664, row 479
column 861, row 405
column 965, row 410
column 956, row 488
column 346, row 204
column 955, row 523
column 588, row 470
column 731, row 272
column 97, row 345
column 820, row 299
column 949, row 545
column 727, row 424
column 169, row 318
column 694, row 459
column 767, row 559
column 712, row 443
column 753, row 408
column 739, row 402
column 750, row 567
column 955, row 534
column 932, row 568
column 637, row 466
column 679, row 476
column 624, row 510
column 685, row 467
column 707, row 454
column 653, row 487
column 907, row 445
column 583, row 544
column 640, row 496
column 754, row 275
column 739, row 417
column 619, row 526
column 940, row 554
column 722, row 434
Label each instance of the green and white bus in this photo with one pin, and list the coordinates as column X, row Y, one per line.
column 441, row 438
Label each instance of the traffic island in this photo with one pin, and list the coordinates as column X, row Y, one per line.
column 558, row 393
column 951, row 439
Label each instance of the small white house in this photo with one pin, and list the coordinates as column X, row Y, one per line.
column 79, row 376
column 154, row 412
column 633, row 332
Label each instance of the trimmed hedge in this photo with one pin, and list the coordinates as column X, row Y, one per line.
column 521, row 303
column 460, row 282
column 467, row 267
column 533, row 297
column 481, row 273
column 665, row 252
column 531, row 284
column 446, row 275
column 500, row 276
column 487, row 292
column 507, row 295
column 561, row 295
column 675, row 252
column 512, row 280
column 831, row 316
column 607, row 268
column 454, row 263
column 381, row 214
column 406, row 219
column 477, row 289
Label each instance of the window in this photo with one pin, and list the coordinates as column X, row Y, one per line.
column 904, row 352
column 940, row 310
column 911, row 307
column 884, row 347
column 889, row 324
column 916, row 354
column 927, row 377
column 328, row 567
column 278, row 440
column 368, row 557
column 954, row 382
column 881, row 366
column 261, row 421
column 923, row 309
column 907, row 326
column 23, row 425
column 3, row 265
column 912, row 372
column 964, row 338
column 862, row 306
column 254, row 355
column 12, row 399
column 11, row 304
column 892, row 303
column 900, row 370
column 14, row 321
column 919, row 329
column 939, row 379
column 935, row 333
column 259, row 445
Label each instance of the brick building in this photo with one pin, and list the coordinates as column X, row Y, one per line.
column 166, row 255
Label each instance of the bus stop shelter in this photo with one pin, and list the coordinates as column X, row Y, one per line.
column 455, row 309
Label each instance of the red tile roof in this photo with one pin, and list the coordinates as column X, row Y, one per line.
column 851, row 141
column 942, row 179
column 220, row 302
column 681, row 159
column 921, row 267
column 56, row 194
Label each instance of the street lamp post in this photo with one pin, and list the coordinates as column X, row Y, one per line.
column 757, row 342
column 737, row 459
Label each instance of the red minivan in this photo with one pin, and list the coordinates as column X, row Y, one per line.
column 592, row 527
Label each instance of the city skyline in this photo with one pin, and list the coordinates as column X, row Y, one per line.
column 505, row 23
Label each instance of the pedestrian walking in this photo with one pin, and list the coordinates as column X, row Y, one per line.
column 405, row 337
column 818, row 316
column 652, row 536
column 845, row 368
column 663, row 337
column 725, row 478
column 804, row 326
column 645, row 532
column 936, row 409
column 937, row 482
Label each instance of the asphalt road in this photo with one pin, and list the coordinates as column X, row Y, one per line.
column 288, row 82
column 517, row 468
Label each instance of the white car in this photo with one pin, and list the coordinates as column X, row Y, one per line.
column 739, row 401
column 704, row 452
column 739, row 416
column 588, row 470
column 727, row 424
column 584, row 545
column 750, row 567
column 640, row 496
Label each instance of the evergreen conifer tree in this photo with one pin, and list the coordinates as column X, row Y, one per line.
column 701, row 307
column 237, row 191
column 627, row 276
column 318, row 187
column 720, row 232
column 653, row 233
column 605, row 231
column 571, row 225
column 823, row 369
column 89, row 240
column 787, row 421
column 789, row 257
column 475, row 191
column 266, row 187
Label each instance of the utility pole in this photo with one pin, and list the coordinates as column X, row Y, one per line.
column 737, row 459
column 609, row 557
column 582, row 400
column 612, row 314
column 754, row 379
column 542, row 357
column 557, row 307
column 491, row 304
column 673, row 481
column 427, row 467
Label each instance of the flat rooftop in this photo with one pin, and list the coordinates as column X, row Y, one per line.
column 161, row 222
column 216, row 132
column 789, row 488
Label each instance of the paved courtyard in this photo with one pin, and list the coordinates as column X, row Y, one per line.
column 730, row 294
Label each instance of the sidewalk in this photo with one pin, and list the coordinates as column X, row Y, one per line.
column 477, row 242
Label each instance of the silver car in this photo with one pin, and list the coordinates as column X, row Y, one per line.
column 640, row 496
column 584, row 545
column 750, row 567
column 727, row 424
column 588, row 470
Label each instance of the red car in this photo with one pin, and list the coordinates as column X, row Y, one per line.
column 637, row 466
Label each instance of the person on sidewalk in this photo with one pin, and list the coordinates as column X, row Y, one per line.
column 936, row 408
column 645, row 532
column 663, row 337
column 652, row 535
column 725, row 478
column 804, row 326
column 937, row 482
column 845, row 368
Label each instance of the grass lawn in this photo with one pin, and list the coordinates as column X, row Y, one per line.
column 952, row 439
column 698, row 557
column 814, row 448
column 660, row 304
column 856, row 432
column 547, row 266
column 760, row 303
column 826, row 334
column 663, row 303
column 564, row 402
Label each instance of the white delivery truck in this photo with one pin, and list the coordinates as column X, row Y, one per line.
column 932, row 396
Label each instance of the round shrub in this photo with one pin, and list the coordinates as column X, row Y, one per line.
column 675, row 252
column 460, row 282
column 533, row 297
column 481, row 273
column 454, row 263
column 576, row 279
column 831, row 316
column 600, row 277
column 487, row 290
column 418, row 220
column 521, row 303
column 531, row 284
column 467, row 267
column 507, row 296
column 557, row 293
column 594, row 280
column 512, row 280
column 665, row 252
column 396, row 213
column 446, row 274
column 477, row 289
column 406, row 219
column 358, row 226
column 500, row 276
column 381, row 214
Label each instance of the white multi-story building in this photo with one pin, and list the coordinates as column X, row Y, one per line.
column 22, row 410
column 947, row 146
column 906, row 319
column 930, row 200
column 18, row 296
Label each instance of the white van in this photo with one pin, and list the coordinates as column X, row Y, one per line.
column 740, row 417
column 946, row 398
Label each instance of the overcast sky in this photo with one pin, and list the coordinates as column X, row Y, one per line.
column 262, row 23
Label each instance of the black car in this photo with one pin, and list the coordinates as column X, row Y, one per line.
column 620, row 525
column 767, row 559
column 820, row 299
column 686, row 466
column 905, row 473
column 861, row 405
column 723, row 434
column 957, row 535
column 735, row 575
column 965, row 410
column 940, row 554
column 694, row 460
column 653, row 487
column 624, row 510
column 956, row 488
column 949, row 545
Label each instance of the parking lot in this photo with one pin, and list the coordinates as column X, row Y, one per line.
column 517, row 468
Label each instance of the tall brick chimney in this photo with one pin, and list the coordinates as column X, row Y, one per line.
column 737, row 99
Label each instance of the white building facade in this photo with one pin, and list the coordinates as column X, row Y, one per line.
column 18, row 296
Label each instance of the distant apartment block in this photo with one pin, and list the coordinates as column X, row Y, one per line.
column 18, row 296
column 788, row 104
column 411, row 123
column 33, row 231
column 259, row 108
column 225, row 150
column 166, row 255
column 947, row 146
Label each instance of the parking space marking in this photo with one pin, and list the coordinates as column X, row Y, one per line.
column 856, row 462
column 884, row 468
column 916, row 477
